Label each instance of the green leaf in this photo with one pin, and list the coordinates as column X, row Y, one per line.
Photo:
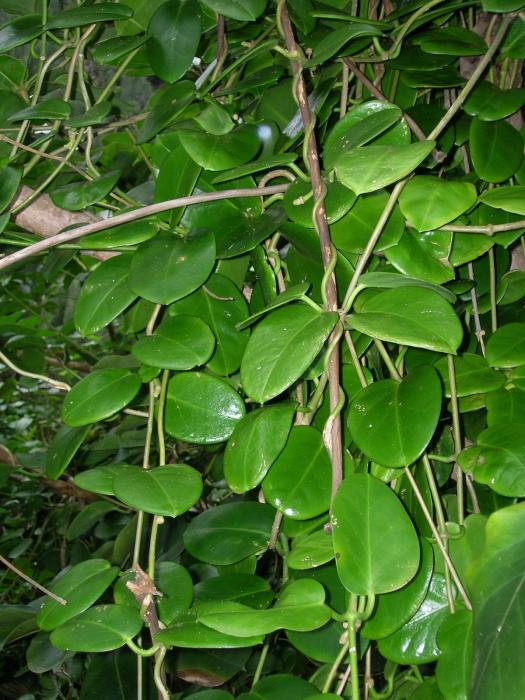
column 282, row 686
column 47, row 110
column 429, row 202
column 454, row 663
column 370, row 168
column 176, row 586
column 104, row 295
column 300, row 607
column 80, row 586
column 496, row 149
column 376, row 545
column 10, row 181
column 339, row 199
column 360, row 125
column 100, row 480
column 102, row 628
column 501, row 6
column 42, row 656
column 110, row 676
column 299, row 483
column 496, row 581
column 353, row 231
column 244, row 10
column 423, row 256
column 416, row 641
column 248, row 589
column 488, row 103
column 62, row 449
column 79, row 195
column 337, row 38
column 228, row 533
column 99, row 395
column 168, row 490
column 222, row 307
column 281, row 348
column 89, row 516
column 110, row 50
column 394, row 609
column 498, row 459
column 126, row 234
column 96, row 115
column 311, row 550
column 452, row 41
column 294, row 293
column 473, row 375
column 174, row 33
column 85, row 14
column 187, row 633
column 393, row 422
column 505, row 406
column 508, row 198
column 202, row 409
column 506, row 347
column 392, row 280
column 255, row 166
column 256, row 442
column 178, row 343
column 181, row 265
column 20, row 31
column 220, row 152
column 410, row 316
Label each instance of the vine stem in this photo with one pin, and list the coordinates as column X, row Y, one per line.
column 141, row 213
column 457, row 436
column 334, row 667
column 352, row 649
column 261, row 661
column 31, row 581
column 328, row 253
column 437, row 537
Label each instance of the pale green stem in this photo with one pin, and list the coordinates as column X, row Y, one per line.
column 335, row 667
column 261, row 662
column 157, row 674
column 457, row 436
column 493, row 301
column 352, row 648
column 387, row 360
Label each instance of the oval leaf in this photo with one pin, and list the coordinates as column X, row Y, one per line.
column 102, row 628
column 174, row 33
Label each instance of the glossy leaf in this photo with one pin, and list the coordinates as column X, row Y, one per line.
column 181, row 265
column 496, row 582
column 410, row 316
column 506, row 347
column 220, row 152
column 335, row 40
column 222, row 307
column 281, row 348
column 428, row 202
column 79, row 16
column 505, row 406
column 62, row 449
column 187, row 633
column 299, row 483
column 19, row 31
column 105, row 294
column 311, row 550
column 100, row 480
column 488, row 103
column 178, row 343
column 202, row 409
column 339, row 199
column 256, row 442
column 101, row 628
column 282, row 686
column 176, row 586
column 169, row 490
column 95, row 115
column 370, row 168
column 416, row 641
column 496, row 149
column 80, row 586
column 99, row 395
column 423, row 256
column 9, row 184
column 509, row 198
column 498, row 459
column 453, row 41
column 454, row 663
column 228, row 533
column 80, row 195
column 294, row 293
column 126, row 234
column 247, row 10
column 473, row 375
column 300, row 607
column 173, row 38
column 250, row 590
column 394, row 609
column 376, row 545
column 88, row 518
column 46, row 110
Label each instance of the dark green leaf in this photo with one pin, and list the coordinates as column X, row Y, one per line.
column 85, row 14
column 244, row 10
column 96, row 115
column 496, row 149
column 101, row 628
column 62, row 450
column 220, row 152
column 47, row 110
column 187, row 633
column 173, row 38
column 488, row 103
column 454, row 663
column 20, row 31
column 506, row 347
column 80, row 195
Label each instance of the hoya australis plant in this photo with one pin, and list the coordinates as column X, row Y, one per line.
column 263, row 349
